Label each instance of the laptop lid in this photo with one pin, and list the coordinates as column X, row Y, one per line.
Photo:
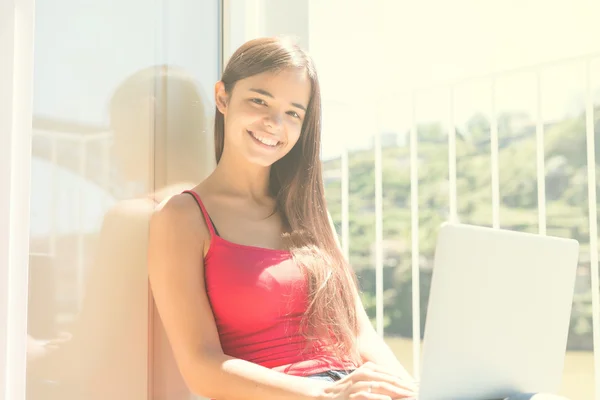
column 498, row 313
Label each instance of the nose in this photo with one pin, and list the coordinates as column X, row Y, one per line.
column 274, row 120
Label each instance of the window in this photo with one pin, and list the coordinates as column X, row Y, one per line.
column 122, row 110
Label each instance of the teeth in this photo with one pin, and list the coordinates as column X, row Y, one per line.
column 267, row 141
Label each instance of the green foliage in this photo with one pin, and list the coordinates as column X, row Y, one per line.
column 566, row 204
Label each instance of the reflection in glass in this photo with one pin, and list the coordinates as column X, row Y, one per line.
column 158, row 147
column 119, row 127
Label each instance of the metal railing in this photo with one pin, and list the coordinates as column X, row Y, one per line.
column 492, row 81
column 80, row 142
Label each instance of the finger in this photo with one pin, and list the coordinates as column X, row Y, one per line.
column 379, row 368
column 368, row 375
column 337, row 387
column 404, row 375
column 385, row 370
column 369, row 396
column 408, row 385
column 383, row 388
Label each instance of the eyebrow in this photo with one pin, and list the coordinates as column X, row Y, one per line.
column 265, row 93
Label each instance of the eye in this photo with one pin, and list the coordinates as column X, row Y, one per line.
column 294, row 114
column 258, row 101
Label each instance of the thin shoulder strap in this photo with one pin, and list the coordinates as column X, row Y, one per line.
column 209, row 223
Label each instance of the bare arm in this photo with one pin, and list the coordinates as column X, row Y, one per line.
column 175, row 265
column 370, row 345
column 373, row 348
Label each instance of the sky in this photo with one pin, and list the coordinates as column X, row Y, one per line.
column 371, row 60
column 370, row 56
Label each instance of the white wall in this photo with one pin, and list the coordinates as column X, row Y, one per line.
column 250, row 19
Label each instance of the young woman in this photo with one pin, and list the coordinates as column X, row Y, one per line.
column 246, row 272
column 253, row 291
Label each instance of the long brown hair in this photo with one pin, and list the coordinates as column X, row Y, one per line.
column 296, row 183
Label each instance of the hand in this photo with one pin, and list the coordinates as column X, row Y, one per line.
column 370, row 382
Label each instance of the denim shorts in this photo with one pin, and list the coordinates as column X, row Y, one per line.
column 330, row 376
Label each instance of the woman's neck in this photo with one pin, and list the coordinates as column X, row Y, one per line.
column 242, row 178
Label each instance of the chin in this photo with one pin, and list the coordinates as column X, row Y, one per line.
column 262, row 161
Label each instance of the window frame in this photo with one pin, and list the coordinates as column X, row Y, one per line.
column 16, row 81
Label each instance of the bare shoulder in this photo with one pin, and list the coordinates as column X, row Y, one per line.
column 179, row 216
column 178, row 205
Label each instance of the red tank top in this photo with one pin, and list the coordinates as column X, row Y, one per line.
column 258, row 297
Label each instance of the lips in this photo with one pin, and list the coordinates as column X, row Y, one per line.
column 264, row 140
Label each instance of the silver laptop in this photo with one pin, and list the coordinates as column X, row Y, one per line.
column 498, row 314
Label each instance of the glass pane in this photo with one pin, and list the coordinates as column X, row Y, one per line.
column 120, row 88
column 183, row 141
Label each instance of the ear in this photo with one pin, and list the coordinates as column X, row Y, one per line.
column 221, row 97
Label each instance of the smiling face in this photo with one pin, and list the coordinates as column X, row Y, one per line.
column 264, row 114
